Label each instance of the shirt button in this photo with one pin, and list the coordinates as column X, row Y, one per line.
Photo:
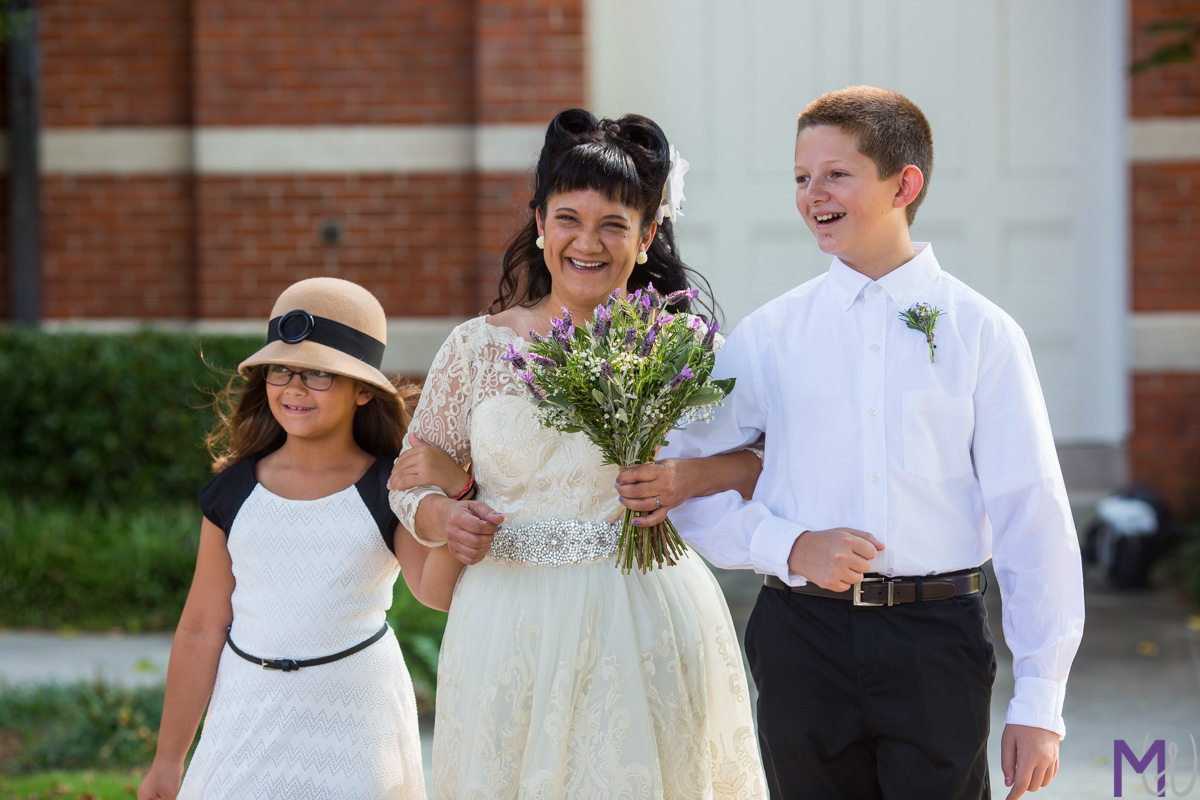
column 877, row 288
column 874, row 412
column 874, row 479
column 874, row 348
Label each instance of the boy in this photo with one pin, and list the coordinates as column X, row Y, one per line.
column 899, row 458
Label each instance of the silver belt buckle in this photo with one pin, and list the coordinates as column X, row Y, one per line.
column 856, row 595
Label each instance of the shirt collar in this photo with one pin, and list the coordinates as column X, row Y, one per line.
column 904, row 285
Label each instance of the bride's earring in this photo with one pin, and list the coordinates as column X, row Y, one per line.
column 540, row 242
column 642, row 258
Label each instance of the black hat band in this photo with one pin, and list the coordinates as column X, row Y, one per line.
column 298, row 325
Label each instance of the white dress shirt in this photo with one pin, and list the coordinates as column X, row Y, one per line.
column 946, row 463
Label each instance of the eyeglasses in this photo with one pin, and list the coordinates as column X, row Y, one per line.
column 279, row 375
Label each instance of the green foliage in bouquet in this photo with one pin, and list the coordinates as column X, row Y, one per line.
column 628, row 378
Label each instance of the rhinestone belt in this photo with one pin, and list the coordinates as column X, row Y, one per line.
column 556, row 542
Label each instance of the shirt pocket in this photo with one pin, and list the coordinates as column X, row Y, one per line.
column 937, row 435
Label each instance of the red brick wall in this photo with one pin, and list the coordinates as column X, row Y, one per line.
column 1164, row 443
column 408, row 238
column 530, row 58
column 1173, row 89
column 116, row 247
column 174, row 247
column 1165, row 233
column 106, row 62
column 1164, row 452
column 503, row 210
column 337, row 62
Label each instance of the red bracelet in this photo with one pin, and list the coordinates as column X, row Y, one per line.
column 467, row 490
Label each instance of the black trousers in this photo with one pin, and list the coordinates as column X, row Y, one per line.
column 858, row 703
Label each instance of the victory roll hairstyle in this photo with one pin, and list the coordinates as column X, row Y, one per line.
column 889, row 128
column 627, row 160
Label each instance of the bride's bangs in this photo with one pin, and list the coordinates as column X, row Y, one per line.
column 602, row 168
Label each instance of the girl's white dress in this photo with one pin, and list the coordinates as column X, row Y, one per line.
column 561, row 677
column 314, row 577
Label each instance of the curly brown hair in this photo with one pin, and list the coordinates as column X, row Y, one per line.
column 246, row 427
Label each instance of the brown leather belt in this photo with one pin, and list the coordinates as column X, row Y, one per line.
column 879, row 590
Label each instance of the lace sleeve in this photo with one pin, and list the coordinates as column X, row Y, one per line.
column 442, row 419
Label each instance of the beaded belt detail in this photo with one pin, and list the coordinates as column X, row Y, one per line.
column 556, row 542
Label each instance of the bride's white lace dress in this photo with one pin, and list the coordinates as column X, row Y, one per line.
column 559, row 676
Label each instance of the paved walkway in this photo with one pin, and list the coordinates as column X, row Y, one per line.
column 1137, row 676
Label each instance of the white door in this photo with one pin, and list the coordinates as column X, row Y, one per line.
column 1027, row 200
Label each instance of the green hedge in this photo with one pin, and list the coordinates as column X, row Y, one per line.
column 112, row 419
column 95, row 567
column 77, row 726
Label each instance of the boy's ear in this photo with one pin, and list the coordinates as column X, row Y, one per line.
column 910, row 183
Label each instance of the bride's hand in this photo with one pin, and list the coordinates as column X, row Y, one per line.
column 654, row 488
column 470, row 526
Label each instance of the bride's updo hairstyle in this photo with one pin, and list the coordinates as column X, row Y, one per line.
column 627, row 160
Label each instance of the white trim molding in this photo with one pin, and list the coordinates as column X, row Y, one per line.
column 1157, row 139
column 308, row 150
column 412, row 341
column 1165, row 341
column 116, row 151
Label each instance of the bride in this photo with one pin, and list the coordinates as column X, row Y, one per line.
column 560, row 676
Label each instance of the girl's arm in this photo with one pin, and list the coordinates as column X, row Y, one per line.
column 674, row 480
column 192, row 668
column 430, row 572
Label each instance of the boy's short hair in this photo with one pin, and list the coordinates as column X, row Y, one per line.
column 889, row 128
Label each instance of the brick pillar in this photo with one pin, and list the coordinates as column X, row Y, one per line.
column 1164, row 446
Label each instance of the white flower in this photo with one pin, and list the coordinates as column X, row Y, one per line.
column 672, row 194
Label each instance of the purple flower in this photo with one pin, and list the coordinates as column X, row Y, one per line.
column 536, row 337
column 712, row 333
column 683, row 375
column 630, row 337
column 696, row 323
column 648, row 344
column 542, row 361
column 538, row 392
column 603, row 322
column 675, row 298
column 566, row 318
column 655, row 297
column 514, row 358
column 606, row 371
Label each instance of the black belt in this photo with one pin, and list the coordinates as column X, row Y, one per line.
column 290, row 664
column 879, row 590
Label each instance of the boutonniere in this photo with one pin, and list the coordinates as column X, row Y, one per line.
column 922, row 317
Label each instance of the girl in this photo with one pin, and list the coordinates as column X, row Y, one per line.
column 284, row 623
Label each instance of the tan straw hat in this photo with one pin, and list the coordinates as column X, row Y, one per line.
column 327, row 324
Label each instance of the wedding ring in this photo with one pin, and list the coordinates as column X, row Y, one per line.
column 657, row 502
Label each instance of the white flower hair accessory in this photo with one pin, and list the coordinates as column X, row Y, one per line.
column 672, row 194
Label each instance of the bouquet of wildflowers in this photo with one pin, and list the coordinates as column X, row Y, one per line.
column 626, row 380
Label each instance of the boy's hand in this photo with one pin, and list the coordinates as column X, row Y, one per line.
column 1029, row 758
column 834, row 559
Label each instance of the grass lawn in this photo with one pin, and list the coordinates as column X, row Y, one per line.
column 89, row 784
